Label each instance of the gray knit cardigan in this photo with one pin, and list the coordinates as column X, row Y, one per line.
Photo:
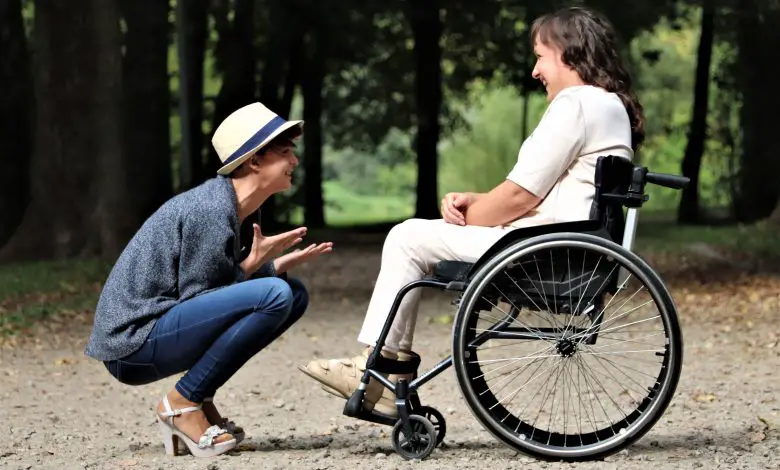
column 189, row 246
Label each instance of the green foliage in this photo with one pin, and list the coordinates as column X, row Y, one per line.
column 369, row 103
column 665, row 82
column 389, row 169
column 343, row 206
column 659, row 232
column 479, row 155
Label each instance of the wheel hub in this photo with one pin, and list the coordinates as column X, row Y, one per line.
column 566, row 347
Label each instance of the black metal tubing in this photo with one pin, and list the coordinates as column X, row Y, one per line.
column 501, row 325
column 354, row 405
column 380, row 342
column 378, row 376
column 443, row 365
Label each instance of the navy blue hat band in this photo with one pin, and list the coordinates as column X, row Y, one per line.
column 257, row 139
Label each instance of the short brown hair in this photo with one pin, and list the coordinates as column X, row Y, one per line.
column 286, row 138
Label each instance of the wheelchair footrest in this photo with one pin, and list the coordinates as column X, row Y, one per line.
column 373, row 417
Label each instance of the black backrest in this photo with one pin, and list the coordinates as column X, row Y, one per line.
column 613, row 176
column 606, row 219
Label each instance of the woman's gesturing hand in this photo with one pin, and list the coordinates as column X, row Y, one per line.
column 298, row 257
column 265, row 248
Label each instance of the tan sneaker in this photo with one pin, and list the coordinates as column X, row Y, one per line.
column 341, row 377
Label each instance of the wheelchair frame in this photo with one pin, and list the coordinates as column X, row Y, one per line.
column 619, row 184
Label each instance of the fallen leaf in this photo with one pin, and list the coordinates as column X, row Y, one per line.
column 704, row 397
column 768, row 425
column 65, row 361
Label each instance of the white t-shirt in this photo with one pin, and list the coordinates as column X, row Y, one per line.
column 557, row 162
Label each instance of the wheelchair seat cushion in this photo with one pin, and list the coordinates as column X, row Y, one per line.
column 452, row 270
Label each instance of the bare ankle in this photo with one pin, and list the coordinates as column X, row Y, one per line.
column 175, row 397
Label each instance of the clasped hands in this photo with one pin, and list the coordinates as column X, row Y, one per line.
column 265, row 248
column 454, row 206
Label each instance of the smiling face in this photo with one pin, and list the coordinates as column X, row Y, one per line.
column 276, row 165
column 550, row 69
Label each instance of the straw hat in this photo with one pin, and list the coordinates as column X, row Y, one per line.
column 246, row 131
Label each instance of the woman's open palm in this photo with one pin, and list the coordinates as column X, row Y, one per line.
column 265, row 247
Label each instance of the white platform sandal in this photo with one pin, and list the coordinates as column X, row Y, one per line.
column 205, row 447
column 230, row 426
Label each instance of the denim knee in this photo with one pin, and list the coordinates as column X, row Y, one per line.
column 277, row 298
column 300, row 296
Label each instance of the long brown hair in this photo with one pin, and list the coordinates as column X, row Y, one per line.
column 589, row 45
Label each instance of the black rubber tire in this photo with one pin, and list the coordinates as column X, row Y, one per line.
column 437, row 420
column 424, row 438
column 670, row 372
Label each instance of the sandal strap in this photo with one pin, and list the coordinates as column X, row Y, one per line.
column 179, row 411
column 207, row 439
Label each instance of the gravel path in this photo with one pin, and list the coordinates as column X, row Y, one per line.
column 59, row 409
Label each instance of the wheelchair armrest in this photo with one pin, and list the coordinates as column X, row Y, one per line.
column 451, row 270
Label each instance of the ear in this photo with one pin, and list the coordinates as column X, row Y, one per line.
column 254, row 162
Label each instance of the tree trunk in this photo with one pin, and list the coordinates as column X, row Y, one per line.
column 774, row 217
column 194, row 32
column 110, row 179
column 427, row 29
column 293, row 78
column 688, row 211
column 313, row 79
column 278, row 51
column 759, row 187
column 77, row 176
column 146, row 107
column 16, row 120
column 236, row 56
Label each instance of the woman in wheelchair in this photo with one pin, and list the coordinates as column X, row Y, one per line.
column 186, row 296
column 592, row 112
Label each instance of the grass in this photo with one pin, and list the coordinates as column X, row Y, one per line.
column 32, row 292
column 344, row 207
column 662, row 234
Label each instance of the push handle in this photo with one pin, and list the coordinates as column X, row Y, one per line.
column 667, row 181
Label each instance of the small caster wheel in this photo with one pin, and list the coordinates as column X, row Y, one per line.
column 420, row 443
column 436, row 418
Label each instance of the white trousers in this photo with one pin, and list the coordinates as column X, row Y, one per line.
column 410, row 251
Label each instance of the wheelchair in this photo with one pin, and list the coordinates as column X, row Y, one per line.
column 566, row 345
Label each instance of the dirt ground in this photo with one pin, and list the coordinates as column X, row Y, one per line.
column 59, row 409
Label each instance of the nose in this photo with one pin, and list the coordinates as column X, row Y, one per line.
column 293, row 159
column 535, row 71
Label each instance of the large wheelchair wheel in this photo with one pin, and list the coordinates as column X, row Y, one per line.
column 567, row 346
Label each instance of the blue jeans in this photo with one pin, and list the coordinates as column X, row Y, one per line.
column 213, row 335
